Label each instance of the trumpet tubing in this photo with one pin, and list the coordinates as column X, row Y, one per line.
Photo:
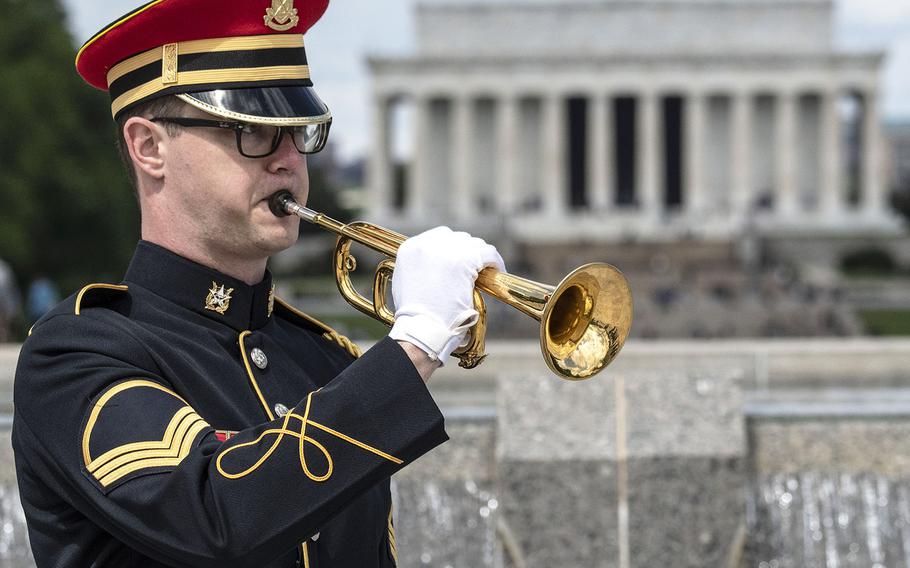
column 584, row 320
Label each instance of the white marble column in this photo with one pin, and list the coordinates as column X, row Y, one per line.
column 600, row 153
column 553, row 162
column 873, row 193
column 741, row 171
column 416, row 196
column 463, row 204
column 648, row 174
column 380, row 172
column 832, row 199
column 786, row 201
column 694, row 192
column 506, row 195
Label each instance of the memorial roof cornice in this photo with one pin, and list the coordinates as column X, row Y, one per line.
column 564, row 5
column 554, row 61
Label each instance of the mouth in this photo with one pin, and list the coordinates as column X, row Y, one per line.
column 272, row 195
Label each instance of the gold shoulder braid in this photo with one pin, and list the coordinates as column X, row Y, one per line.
column 344, row 342
column 327, row 331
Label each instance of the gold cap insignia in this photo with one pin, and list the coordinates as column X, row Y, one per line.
column 218, row 299
column 271, row 300
column 281, row 16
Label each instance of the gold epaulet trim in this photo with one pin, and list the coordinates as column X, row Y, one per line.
column 90, row 287
column 327, row 331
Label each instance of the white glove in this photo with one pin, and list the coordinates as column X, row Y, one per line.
column 433, row 289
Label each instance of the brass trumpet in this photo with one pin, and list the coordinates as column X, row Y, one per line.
column 584, row 320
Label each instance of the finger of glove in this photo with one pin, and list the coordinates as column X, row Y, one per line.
column 488, row 256
column 426, row 239
column 443, row 248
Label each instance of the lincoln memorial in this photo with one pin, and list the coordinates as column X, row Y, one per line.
column 646, row 120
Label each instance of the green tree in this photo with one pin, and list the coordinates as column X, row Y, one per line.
column 67, row 209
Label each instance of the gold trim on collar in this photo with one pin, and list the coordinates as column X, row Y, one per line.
column 249, row 372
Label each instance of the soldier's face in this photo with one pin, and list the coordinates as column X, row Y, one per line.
column 228, row 194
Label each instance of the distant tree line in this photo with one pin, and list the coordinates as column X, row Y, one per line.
column 66, row 209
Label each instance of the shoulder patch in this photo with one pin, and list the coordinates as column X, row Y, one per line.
column 314, row 324
column 95, row 294
column 135, row 428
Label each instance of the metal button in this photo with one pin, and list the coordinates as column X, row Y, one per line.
column 315, row 537
column 259, row 358
column 281, row 409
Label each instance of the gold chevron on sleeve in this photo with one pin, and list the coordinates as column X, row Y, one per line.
column 174, row 446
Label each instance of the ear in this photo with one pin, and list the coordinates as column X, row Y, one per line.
column 146, row 142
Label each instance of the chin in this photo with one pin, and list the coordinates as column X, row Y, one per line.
column 280, row 242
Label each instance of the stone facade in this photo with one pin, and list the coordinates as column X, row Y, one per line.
column 614, row 120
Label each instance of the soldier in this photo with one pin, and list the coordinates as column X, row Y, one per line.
column 186, row 416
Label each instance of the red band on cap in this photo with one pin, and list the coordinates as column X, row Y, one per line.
column 173, row 21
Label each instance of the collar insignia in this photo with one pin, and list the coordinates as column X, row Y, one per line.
column 281, row 16
column 218, row 299
column 271, row 300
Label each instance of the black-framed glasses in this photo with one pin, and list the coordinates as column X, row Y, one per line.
column 261, row 140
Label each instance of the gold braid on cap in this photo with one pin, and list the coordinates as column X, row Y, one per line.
column 214, row 63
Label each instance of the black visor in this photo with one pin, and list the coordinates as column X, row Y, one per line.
column 282, row 105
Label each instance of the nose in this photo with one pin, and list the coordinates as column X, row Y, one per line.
column 286, row 157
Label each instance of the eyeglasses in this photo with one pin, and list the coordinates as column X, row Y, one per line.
column 261, row 140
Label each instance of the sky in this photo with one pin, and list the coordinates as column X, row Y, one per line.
column 351, row 30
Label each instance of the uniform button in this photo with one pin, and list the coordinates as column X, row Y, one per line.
column 281, row 409
column 315, row 537
column 259, row 358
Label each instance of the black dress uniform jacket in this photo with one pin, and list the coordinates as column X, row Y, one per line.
column 184, row 418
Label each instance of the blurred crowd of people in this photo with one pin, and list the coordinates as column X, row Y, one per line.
column 40, row 297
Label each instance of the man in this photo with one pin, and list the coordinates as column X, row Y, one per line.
column 186, row 416
column 9, row 301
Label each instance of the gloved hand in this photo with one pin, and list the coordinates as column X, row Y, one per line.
column 433, row 289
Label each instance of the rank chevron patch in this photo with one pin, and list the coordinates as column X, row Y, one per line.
column 180, row 426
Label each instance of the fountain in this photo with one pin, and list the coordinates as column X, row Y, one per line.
column 756, row 454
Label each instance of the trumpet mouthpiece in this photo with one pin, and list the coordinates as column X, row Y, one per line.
column 279, row 203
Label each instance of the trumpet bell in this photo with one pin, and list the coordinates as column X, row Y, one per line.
column 586, row 321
